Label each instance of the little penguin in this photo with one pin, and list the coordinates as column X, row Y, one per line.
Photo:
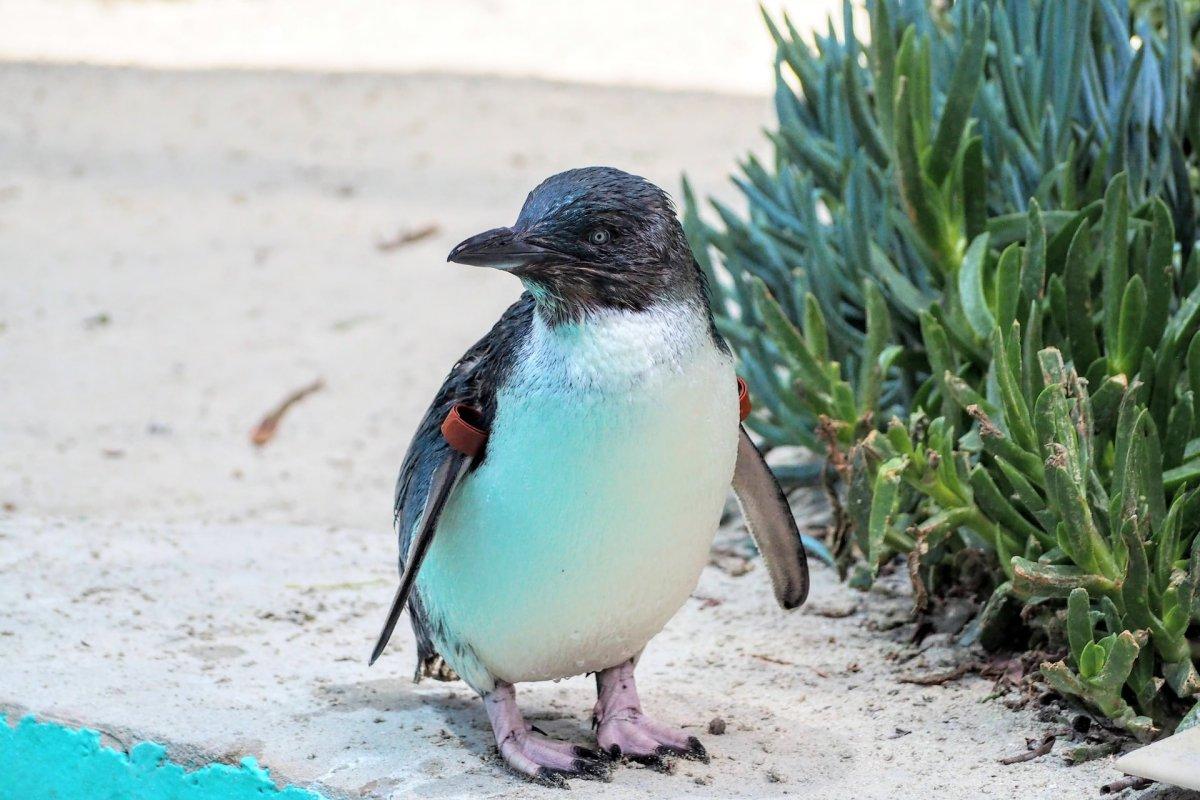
column 561, row 543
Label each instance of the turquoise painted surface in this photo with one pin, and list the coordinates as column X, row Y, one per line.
column 45, row 761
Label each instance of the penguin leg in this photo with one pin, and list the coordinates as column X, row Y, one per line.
column 623, row 731
column 533, row 755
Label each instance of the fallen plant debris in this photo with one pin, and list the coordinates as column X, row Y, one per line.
column 1082, row 753
column 99, row 320
column 1016, row 674
column 939, row 678
column 1128, row 782
column 773, row 660
column 1043, row 748
column 408, row 236
column 265, row 430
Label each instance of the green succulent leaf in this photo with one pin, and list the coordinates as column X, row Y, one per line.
column 1091, row 661
column 960, row 96
column 884, row 503
column 1033, row 263
column 1114, row 225
column 1130, row 328
column 1031, row 579
column 1117, row 665
column 970, row 288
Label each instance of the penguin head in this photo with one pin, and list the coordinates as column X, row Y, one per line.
column 592, row 238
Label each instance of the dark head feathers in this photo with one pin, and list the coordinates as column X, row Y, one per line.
column 594, row 190
column 590, row 239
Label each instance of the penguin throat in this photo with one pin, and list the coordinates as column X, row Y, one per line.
column 616, row 348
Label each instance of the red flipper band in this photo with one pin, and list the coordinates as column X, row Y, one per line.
column 743, row 400
column 463, row 430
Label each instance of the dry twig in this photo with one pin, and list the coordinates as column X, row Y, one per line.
column 773, row 660
column 939, row 678
column 1128, row 782
column 264, row 431
column 407, row 236
column 1046, row 745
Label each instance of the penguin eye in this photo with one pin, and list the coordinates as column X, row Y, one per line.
column 599, row 236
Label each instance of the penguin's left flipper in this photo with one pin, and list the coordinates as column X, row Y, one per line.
column 445, row 478
column 770, row 521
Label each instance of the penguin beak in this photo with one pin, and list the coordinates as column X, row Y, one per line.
column 503, row 249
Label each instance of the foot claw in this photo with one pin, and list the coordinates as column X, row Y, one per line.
column 549, row 777
column 640, row 739
column 588, row 753
column 696, row 751
column 592, row 769
column 655, row 761
column 551, row 762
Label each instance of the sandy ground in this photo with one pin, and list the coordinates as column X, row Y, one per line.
column 181, row 249
column 713, row 45
column 235, row 640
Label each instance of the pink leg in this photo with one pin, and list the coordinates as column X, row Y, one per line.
column 624, row 731
column 531, row 754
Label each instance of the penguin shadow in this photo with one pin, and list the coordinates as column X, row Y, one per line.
column 466, row 720
column 451, row 708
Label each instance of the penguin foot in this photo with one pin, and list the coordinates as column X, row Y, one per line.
column 533, row 755
column 625, row 732
column 645, row 741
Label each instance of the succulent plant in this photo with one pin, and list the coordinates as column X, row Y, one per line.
column 1101, row 668
column 970, row 279
column 891, row 158
column 1071, row 489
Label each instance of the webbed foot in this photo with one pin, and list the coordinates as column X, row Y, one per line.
column 530, row 753
column 624, row 731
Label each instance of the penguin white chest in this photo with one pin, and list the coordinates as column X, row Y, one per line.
column 587, row 525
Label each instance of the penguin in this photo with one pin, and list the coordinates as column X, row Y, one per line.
column 559, row 498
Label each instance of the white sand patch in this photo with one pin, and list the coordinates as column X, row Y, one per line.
column 713, row 45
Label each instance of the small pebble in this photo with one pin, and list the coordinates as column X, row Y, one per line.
column 716, row 726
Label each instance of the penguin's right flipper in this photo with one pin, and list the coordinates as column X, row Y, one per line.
column 445, row 478
column 770, row 521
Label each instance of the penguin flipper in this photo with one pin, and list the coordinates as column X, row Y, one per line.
column 771, row 524
column 472, row 381
column 446, row 476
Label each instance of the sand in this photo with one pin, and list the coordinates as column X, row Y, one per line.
column 710, row 45
column 179, row 250
column 228, row 640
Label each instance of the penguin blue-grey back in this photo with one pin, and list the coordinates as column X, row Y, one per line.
column 564, row 543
